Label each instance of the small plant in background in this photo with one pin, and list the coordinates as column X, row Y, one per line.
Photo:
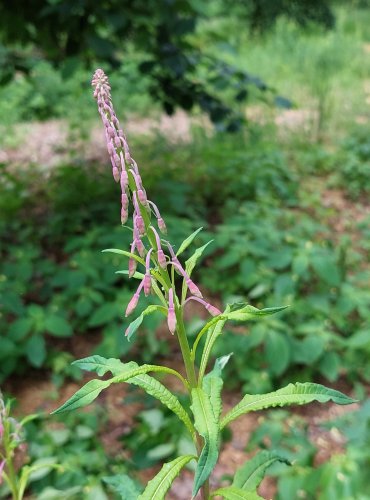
column 15, row 474
column 157, row 267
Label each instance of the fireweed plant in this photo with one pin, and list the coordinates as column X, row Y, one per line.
column 163, row 273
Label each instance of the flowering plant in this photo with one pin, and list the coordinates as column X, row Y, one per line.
column 162, row 272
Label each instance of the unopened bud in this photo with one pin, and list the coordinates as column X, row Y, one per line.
column 132, row 304
column 140, row 247
column 117, row 141
column 124, row 200
column 162, row 225
column 131, row 267
column 139, row 222
column 124, row 215
column 171, row 315
column 147, row 284
column 213, row 310
column 161, row 258
column 142, row 197
column 116, row 174
column 123, row 180
column 194, row 290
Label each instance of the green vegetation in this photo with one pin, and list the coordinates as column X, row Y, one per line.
column 285, row 201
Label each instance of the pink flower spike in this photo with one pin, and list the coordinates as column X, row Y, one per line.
column 171, row 316
column 135, row 299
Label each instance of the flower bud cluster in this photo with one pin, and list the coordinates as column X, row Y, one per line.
column 125, row 171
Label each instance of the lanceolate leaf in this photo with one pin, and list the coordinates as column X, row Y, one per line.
column 233, row 493
column 292, row 394
column 191, row 263
column 187, row 242
column 133, row 375
column 249, row 476
column 126, row 254
column 102, row 365
column 212, row 385
column 157, row 488
column 247, row 312
column 208, row 427
column 84, row 396
column 137, row 322
column 212, row 336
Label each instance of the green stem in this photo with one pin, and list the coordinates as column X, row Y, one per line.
column 185, row 349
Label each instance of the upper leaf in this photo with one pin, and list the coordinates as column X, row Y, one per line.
column 292, row 394
column 212, row 336
column 161, row 483
column 212, row 385
column 132, row 328
column 208, row 427
column 242, row 312
column 187, row 242
column 191, row 262
column 102, row 365
column 249, row 476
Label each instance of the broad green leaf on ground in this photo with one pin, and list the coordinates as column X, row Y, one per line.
column 208, row 427
column 292, row 394
column 161, row 483
column 277, row 349
column 212, row 385
column 242, row 312
column 58, row 326
column 132, row 328
column 124, row 486
column 192, row 261
column 233, row 493
column 249, row 476
column 187, row 242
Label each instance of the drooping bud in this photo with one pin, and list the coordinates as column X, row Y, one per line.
column 124, row 215
column 116, row 174
column 124, row 180
column 171, row 315
column 162, row 225
column 194, row 290
column 135, row 299
column 142, row 197
column 161, row 258
column 139, row 223
column 131, row 267
column 124, row 200
column 209, row 307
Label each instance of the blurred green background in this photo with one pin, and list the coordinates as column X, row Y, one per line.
column 250, row 119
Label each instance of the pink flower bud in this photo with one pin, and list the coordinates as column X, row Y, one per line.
column 131, row 267
column 124, row 215
column 117, row 142
column 124, row 180
column 147, row 284
column 194, row 290
column 213, row 311
column 117, row 160
column 2, row 464
column 135, row 299
column 142, row 197
column 171, row 315
column 116, row 174
column 140, row 247
column 161, row 258
column 139, row 223
column 162, row 225
column 111, row 132
column 124, row 200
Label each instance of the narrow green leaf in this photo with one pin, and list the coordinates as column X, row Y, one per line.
column 212, row 336
column 292, row 394
column 188, row 241
column 132, row 328
column 130, row 373
column 233, row 493
column 124, row 486
column 212, row 385
column 157, row 488
column 248, row 312
column 83, row 396
column 191, row 262
column 126, row 254
column 102, row 365
column 208, row 427
column 250, row 475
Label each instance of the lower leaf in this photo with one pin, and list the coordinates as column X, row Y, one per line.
column 157, row 488
column 233, row 493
